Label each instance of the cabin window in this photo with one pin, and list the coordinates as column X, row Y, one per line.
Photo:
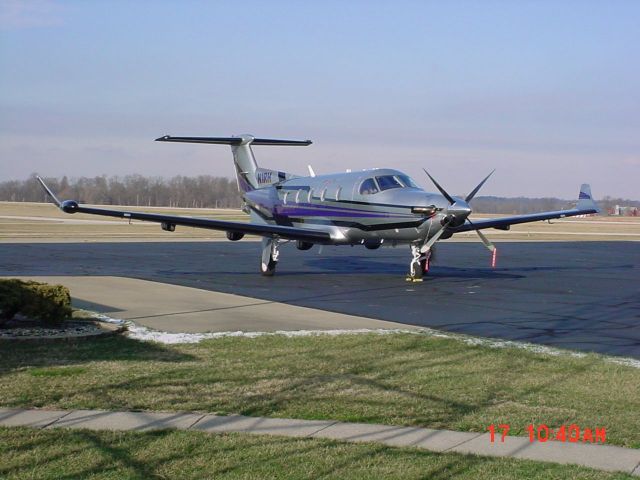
column 387, row 182
column 284, row 199
column 368, row 187
column 298, row 196
column 338, row 193
column 324, row 192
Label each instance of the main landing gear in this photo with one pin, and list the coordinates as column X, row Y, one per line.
column 270, row 254
column 420, row 264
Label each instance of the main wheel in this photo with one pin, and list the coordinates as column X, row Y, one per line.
column 269, row 269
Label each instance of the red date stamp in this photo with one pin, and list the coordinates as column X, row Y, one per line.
column 542, row 433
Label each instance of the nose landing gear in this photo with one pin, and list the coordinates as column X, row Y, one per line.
column 420, row 264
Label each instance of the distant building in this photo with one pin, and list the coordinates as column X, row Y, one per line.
column 622, row 211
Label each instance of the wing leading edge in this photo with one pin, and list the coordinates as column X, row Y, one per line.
column 585, row 206
column 289, row 233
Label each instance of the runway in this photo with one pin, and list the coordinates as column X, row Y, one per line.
column 579, row 295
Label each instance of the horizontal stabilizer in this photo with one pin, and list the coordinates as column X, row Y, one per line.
column 245, row 139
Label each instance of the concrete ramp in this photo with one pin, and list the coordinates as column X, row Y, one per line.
column 173, row 308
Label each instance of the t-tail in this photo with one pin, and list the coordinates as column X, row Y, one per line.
column 248, row 174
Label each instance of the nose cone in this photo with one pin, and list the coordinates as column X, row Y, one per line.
column 460, row 210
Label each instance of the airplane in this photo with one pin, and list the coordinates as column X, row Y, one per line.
column 370, row 207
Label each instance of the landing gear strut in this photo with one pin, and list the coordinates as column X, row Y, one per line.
column 270, row 254
column 420, row 264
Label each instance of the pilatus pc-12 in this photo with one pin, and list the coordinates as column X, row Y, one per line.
column 370, row 208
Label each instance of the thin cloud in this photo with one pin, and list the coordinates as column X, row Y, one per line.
column 20, row 14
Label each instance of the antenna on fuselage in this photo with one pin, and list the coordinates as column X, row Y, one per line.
column 311, row 172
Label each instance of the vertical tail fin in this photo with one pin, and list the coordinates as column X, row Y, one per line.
column 245, row 163
column 248, row 174
column 585, row 200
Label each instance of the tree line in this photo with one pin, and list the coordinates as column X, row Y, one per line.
column 205, row 191
column 523, row 205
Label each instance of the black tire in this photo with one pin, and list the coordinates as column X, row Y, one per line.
column 271, row 268
column 418, row 271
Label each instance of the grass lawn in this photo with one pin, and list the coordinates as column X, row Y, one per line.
column 399, row 379
column 56, row 454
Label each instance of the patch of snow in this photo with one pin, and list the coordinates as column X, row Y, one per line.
column 138, row 332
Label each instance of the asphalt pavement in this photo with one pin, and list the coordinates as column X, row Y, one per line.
column 579, row 295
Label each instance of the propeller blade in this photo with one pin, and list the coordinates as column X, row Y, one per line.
column 425, row 248
column 486, row 241
column 432, row 240
column 442, row 190
column 475, row 190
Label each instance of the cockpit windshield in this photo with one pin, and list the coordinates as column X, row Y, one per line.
column 406, row 180
column 385, row 182
column 388, row 181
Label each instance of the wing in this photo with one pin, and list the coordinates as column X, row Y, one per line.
column 290, row 233
column 585, row 206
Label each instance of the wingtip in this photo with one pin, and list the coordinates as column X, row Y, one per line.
column 48, row 191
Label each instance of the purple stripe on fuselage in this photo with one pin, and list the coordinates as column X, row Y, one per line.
column 311, row 210
column 339, row 207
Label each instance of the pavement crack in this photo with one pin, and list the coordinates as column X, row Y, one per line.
column 196, row 421
column 323, row 428
column 462, row 443
column 57, row 419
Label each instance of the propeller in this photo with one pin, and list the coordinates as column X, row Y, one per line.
column 442, row 190
column 459, row 215
column 475, row 190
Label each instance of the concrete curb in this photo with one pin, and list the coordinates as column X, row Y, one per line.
column 601, row 457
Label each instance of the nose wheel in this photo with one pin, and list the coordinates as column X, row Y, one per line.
column 420, row 264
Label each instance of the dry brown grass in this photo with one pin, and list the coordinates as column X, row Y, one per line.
column 41, row 222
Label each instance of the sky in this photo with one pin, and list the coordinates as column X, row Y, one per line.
column 546, row 92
